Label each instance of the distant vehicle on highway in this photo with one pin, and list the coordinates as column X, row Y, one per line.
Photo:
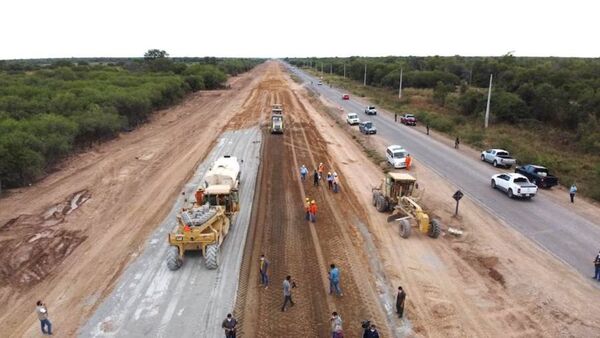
column 319, row 83
column 396, row 156
column 370, row 110
column 515, row 185
column 498, row 158
column 538, row 175
column 345, row 97
column 408, row 119
column 352, row 119
column 367, row 127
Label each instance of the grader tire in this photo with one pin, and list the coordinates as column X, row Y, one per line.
column 174, row 262
column 405, row 228
column 382, row 205
column 211, row 256
column 375, row 195
column 434, row 229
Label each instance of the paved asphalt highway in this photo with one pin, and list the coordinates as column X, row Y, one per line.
column 561, row 231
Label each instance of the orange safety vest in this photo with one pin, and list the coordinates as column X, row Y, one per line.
column 313, row 209
column 408, row 161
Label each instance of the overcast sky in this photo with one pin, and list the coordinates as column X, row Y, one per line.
column 265, row 28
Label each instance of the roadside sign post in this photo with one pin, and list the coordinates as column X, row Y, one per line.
column 457, row 196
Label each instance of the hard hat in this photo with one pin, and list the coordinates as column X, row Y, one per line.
column 313, row 202
column 329, row 173
column 307, row 199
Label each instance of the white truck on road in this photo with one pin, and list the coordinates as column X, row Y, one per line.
column 498, row 157
column 515, row 185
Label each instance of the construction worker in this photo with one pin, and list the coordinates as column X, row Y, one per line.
column 307, row 208
column 229, row 325
column 427, row 127
column 313, row 211
column 42, row 313
column 321, row 169
column 199, row 197
column 371, row 332
column 336, row 325
column 408, row 161
column 456, row 142
column 316, row 178
column 400, row 302
column 263, row 267
column 597, row 266
column 572, row 192
column 395, row 117
column 334, row 280
column 288, row 285
column 336, row 183
column 330, row 180
column 303, row 172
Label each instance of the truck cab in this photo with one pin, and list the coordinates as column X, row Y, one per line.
column 277, row 124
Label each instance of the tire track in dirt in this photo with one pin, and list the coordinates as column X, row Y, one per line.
column 291, row 246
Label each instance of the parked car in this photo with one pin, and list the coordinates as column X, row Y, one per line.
column 370, row 110
column 396, row 156
column 498, row 157
column 515, row 185
column 367, row 127
column 352, row 119
column 408, row 119
column 319, row 83
column 538, row 175
column 345, row 97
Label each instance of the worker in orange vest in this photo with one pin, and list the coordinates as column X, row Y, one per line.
column 408, row 161
column 307, row 208
column 199, row 197
column 313, row 211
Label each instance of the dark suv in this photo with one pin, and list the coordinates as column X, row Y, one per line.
column 367, row 127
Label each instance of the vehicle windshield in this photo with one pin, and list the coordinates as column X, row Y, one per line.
column 371, row 107
column 410, row 115
column 521, row 180
column 276, row 118
column 502, row 154
column 352, row 116
column 399, row 154
column 368, row 125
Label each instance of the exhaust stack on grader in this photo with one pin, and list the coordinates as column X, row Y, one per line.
column 204, row 225
column 396, row 193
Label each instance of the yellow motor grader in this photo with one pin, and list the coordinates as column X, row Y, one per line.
column 397, row 194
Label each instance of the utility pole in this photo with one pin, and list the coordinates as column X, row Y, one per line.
column 344, row 70
column 487, row 109
column 400, row 87
column 365, row 79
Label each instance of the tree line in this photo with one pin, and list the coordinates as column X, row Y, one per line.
column 50, row 108
column 559, row 92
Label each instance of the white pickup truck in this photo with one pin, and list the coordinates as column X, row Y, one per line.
column 515, row 185
column 498, row 157
column 352, row 119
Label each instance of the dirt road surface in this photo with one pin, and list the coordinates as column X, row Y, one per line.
column 149, row 299
column 490, row 282
column 67, row 239
column 301, row 249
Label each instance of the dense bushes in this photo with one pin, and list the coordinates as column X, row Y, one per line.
column 47, row 110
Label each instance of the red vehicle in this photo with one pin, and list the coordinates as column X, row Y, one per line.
column 408, row 119
column 345, row 97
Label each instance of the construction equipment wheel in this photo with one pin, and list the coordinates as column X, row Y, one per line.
column 434, row 229
column 382, row 205
column 174, row 262
column 405, row 228
column 211, row 256
column 375, row 195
